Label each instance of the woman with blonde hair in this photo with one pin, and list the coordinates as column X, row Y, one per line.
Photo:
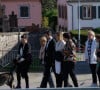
column 90, row 55
column 43, row 42
column 59, row 58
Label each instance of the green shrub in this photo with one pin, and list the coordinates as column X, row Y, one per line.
column 97, row 30
column 83, row 34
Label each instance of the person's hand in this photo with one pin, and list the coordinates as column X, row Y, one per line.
column 21, row 60
column 17, row 57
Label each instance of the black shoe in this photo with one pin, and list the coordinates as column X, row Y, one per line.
column 27, row 86
column 69, row 85
column 18, row 87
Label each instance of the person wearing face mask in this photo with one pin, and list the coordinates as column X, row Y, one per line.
column 90, row 55
column 23, row 61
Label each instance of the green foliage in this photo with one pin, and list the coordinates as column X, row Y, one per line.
column 50, row 13
column 48, row 5
column 45, row 22
column 97, row 30
column 83, row 34
column 49, row 9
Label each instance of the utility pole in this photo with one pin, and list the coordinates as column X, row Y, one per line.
column 79, row 27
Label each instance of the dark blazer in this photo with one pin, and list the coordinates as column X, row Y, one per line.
column 49, row 56
column 26, row 52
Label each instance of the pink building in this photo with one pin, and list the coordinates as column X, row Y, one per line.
column 27, row 11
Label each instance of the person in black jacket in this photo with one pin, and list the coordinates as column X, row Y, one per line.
column 49, row 59
column 23, row 61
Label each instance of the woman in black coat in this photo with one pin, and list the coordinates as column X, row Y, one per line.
column 23, row 61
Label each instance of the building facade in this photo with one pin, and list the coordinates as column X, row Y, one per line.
column 27, row 11
column 89, row 14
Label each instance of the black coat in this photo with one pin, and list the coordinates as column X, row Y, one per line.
column 49, row 56
column 26, row 52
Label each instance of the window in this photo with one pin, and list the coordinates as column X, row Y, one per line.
column 87, row 12
column 24, row 11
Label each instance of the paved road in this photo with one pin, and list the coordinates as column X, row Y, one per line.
column 83, row 76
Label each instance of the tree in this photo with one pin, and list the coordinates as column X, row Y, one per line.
column 49, row 9
column 48, row 5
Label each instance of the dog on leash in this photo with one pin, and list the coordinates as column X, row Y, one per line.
column 7, row 78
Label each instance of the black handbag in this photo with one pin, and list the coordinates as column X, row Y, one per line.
column 98, row 54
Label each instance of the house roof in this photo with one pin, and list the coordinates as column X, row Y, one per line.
column 83, row 0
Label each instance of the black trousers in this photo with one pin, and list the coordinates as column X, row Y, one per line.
column 98, row 72
column 22, row 71
column 47, row 76
column 58, row 80
column 93, row 68
column 68, row 69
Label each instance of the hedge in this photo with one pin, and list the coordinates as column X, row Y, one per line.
column 83, row 34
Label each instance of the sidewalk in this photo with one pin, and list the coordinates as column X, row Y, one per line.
column 82, row 72
column 35, row 80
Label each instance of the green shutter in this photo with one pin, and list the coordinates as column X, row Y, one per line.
column 98, row 11
column 93, row 12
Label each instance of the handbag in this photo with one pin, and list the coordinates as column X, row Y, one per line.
column 98, row 54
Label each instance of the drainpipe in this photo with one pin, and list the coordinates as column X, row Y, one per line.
column 72, row 15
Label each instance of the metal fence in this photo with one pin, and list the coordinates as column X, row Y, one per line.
column 7, row 57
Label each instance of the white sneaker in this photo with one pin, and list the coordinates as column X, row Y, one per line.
column 94, row 85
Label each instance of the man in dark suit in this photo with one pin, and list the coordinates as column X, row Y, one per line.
column 23, row 61
column 48, row 60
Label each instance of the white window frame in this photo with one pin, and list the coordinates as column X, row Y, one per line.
column 28, row 11
column 87, row 16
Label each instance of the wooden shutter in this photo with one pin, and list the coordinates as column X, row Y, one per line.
column 59, row 11
column 81, row 14
column 93, row 12
column 98, row 11
column 65, row 12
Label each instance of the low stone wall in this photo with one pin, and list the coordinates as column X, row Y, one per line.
column 8, row 47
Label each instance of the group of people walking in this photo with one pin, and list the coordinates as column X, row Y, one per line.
column 58, row 55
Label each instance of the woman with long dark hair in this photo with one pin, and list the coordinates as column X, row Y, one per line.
column 69, row 60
